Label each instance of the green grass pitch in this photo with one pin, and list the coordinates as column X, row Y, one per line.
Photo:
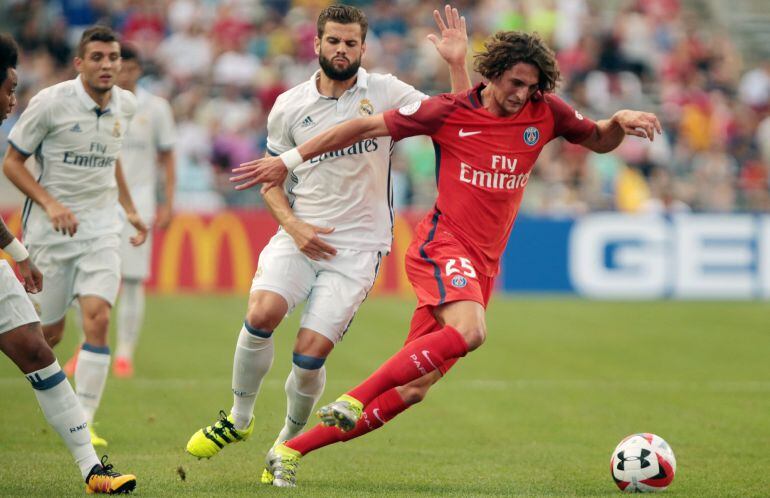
column 535, row 412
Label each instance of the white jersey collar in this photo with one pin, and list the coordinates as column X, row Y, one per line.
column 362, row 81
column 89, row 103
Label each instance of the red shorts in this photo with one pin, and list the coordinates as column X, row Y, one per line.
column 441, row 272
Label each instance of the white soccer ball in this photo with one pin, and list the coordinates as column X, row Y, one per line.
column 643, row 463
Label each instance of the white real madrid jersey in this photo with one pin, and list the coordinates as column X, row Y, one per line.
column 152, row 130
column 75, row 146
column 349, row 189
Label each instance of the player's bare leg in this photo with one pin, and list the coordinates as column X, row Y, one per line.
column 464, row 330
column 252, row 360
column 94, row 358
column 27, row 348
column 54, row 332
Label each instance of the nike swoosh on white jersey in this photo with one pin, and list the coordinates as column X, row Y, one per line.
column 468, row 133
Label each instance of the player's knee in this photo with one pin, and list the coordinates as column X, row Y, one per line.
column 97, row 322
column 263, row 316
column 53, row 333
column 474, row 336
column 413, row 394
column 35, row 352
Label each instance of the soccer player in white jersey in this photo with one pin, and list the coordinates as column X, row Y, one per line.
column 71, row 218
column 335, row 224
column 21, row 337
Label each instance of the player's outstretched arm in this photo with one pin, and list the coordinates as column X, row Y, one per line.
column 611, row 132
column 452, row 46
column 272, row 171
column 124, row 197
column 62, row 219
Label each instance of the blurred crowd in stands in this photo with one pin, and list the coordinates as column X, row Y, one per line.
column 222, row 63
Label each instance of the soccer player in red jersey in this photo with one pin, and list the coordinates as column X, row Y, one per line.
column 487, row 141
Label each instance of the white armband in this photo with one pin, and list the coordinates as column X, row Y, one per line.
column 291, row 158
column 16, row 250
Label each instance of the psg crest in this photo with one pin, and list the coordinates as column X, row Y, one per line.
column 459, row 281
column 531, row 135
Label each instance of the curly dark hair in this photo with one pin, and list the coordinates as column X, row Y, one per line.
column 9, row 56
column 343, row 14
column 507, row 48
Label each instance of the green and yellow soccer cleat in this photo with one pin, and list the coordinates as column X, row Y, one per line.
column 281, row 466
column 207, row 442
column 96, row 441
column 102, row 480
column 344, row 413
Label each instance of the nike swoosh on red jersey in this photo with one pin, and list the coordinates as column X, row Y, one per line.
column 467, row 133
column 376, row 413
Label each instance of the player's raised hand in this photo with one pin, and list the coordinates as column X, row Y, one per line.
column 638, row 123
column 141, row 229
column 453, row 42
column 33, row 279
column 271, row 171
column 308, row 242
column 62, row 219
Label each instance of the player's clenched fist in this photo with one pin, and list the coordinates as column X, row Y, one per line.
column 33, row 279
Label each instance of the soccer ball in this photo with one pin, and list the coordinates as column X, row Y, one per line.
column 643, row 463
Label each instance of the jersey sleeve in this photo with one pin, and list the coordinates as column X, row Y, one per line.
column 568, row 122
column 165, row 131
column 279, row 138
column 424, row 117
column 33, row 125
column 400, row 93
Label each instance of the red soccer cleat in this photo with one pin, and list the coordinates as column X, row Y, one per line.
column 123, row 368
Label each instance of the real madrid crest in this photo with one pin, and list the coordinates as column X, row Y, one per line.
column 116, row 129
column 366, row 108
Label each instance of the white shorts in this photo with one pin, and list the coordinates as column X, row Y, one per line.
column 76, row 268
column 15, row 307
column 134, row 261
column 334, row 289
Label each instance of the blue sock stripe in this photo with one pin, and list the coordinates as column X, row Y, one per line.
column 43, row 384
column 257, row 332
column 96, row 349
column 307, row 362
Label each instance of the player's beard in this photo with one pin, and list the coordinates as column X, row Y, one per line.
column 338, row 74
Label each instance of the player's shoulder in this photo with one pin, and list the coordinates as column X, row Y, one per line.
column 56, row 94
column 294, row 100
column 126, row 100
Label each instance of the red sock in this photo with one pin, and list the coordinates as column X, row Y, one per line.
column 382, row 409
column 415, row 359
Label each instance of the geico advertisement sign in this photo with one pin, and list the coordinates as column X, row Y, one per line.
column 685, row 256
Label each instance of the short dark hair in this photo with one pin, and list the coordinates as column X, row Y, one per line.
column 9, row 56
column 507, row 48
column 96, row 33
column 343, row 14
column 128, row 52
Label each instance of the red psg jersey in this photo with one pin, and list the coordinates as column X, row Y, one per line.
column 483, row 162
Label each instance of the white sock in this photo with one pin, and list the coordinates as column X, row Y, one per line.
column 90, row 377
column 253, row 359
column 62, row 410
column 303, row 389
column 130, row 317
